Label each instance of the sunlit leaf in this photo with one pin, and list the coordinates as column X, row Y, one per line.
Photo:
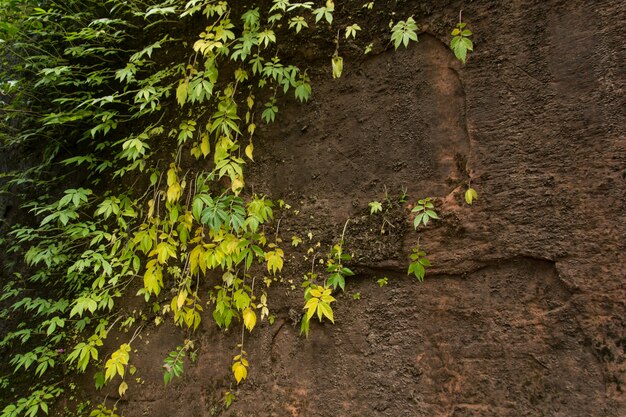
column 470, row 196
column 249, row 318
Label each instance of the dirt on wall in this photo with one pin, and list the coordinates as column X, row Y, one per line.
column 523, row 312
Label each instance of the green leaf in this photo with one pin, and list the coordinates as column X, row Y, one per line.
column 403, row 32
column 418, row 220
column 460, row 42
column 337, row 280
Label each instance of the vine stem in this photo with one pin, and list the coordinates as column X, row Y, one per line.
column 277, row 229
column 243, row 334
column 340, row 251
column 344, row 231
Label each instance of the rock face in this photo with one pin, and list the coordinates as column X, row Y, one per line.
column 523, row 312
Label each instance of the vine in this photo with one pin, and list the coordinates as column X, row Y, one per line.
column 79, row 79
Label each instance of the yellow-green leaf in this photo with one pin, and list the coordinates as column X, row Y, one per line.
column 316, row 292
column 328, row 298
column 274, row 260
column 326, row 311
column 181, row 92
column 249, row 318
column 237, row 185
column 194, row 258
column 115, row 365
column 470, row 196
column 172, row 177
column 182, row 297
column 311, row 307
column 337, row 66
column 249, row 150
column 205, row 146
column 164, row 251
column 122, row 388
column 120, row 369
column 173, row 192
column 153, row 280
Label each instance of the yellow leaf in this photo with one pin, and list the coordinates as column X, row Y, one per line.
column 174, row 306
column 182, row 297
column 110, row 369
column 251, row 128
column 162, row 252
column 150, row 208
column 240, row 371
column 173, row 192
column 316, row 293
column 194, row 259
column 199, row 45
column 122, row 388
column 172, row 178
column 249, row 318
column 328, row 299
column 236, row 185
column 249, row 150
column 231, row 243
column 153, row 280
column 205, row 146
column 470, row 196
column 311, row 306
column 326, row 311
column 189, row 317
column 250, row 101
column 274, row 260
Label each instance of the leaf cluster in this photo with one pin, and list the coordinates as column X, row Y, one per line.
column 461, row 42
